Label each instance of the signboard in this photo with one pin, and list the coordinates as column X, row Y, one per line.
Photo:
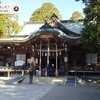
column 9, row 8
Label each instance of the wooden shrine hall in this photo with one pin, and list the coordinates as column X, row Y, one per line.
column 56, row 43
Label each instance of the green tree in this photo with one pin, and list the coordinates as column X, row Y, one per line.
column 45, row 13
column 76, row 16
column 91, row 30
column 85, row 1
column 8, row 25
column 90, row 38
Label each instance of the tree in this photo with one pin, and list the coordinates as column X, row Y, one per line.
column 76, row 16
column 91, row 30
column 44, row 13
column 86, row 2
column 89, row 38
column 8, row 24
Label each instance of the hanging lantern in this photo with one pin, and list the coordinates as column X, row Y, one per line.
column 65, row 49
column 65, row 45
column 65, row 59
column 32, row 48
column 42, row 53
column 60, row 53
column 45, row 54
column 36, row 60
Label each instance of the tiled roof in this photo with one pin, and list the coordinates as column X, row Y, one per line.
column 74, row 26
column 28, row 28
column 31, row 29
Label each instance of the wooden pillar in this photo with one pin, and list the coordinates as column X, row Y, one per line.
column 48, row 53
column 40, row 61
column 56, row 71
column 66, row 60
column 8, row 74
column 13, row 55
column 48, row 50
column 11, row 58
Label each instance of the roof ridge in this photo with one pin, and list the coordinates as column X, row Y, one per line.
column 34, row 23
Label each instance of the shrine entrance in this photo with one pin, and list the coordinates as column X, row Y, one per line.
column 51, row 50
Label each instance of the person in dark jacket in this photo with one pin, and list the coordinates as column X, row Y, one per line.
column 23, row 69
column 31, row 73
column 52, row 70
column 31, row 76
column 48, row 69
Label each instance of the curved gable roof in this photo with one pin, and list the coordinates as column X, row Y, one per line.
column 74, row 26
column 32, row 29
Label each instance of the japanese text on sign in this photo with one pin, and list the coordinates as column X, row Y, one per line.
column 9, row 9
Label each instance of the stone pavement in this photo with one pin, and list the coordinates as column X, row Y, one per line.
column 80, row 92
column 35, row 91
column 24, row 91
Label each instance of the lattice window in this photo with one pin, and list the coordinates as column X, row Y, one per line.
column 21, row 57
column 91, row 58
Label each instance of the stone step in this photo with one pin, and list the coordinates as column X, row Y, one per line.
column 70, row 80
column 50, row 80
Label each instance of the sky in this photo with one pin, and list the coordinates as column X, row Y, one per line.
column 27, row 7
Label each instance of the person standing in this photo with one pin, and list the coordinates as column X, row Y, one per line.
column 31, row 72
column 52, row 70
column 23, row 69
column 37, row 70
column 48, row 69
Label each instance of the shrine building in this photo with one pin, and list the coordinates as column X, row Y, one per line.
column 57, row 43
